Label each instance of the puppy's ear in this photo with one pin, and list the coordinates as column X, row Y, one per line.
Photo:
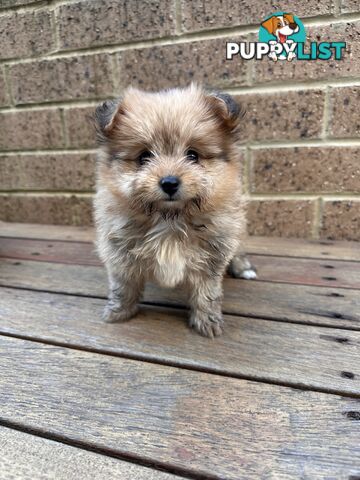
column 270, row 25
column 227, row 109
column 106, row 116
column 289, row 17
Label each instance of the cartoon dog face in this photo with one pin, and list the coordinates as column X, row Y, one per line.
column 281, row 26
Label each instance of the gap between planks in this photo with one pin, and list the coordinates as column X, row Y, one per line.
column 270, row 268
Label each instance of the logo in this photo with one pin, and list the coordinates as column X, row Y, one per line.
column 282, row 36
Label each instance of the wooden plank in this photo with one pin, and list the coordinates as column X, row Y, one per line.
column 270, row 268
column 293, row 247
column 49, row 251
column 191, row 421
column 307, row 271
column 24, row 456
column 331, row 307
column 297, row 355
column 47, row 232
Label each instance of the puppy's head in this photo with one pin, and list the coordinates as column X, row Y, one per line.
column 169, row 151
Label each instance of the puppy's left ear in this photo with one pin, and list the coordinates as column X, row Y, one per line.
column 227, row 109
column 105, row 117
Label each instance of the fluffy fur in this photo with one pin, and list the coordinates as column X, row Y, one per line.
column 190, row 239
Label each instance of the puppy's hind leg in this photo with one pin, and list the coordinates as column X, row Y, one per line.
column 240, row 267
column 125, row 290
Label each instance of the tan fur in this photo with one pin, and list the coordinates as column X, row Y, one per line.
column 141, row 236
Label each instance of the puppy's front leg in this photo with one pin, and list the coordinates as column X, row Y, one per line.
column 124, row 293
column 205, row 302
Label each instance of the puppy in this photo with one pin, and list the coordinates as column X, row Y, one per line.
column 169, row 206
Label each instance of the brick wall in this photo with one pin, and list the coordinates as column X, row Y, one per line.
column 301, row 138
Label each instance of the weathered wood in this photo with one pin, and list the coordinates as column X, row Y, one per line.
column 24, row 456
column 307, row 271
column 297, row 355
column 332, row 307
column 270, row 268
column 187, row 420
column 48, row 232
column 49, row 251
column 292, row 247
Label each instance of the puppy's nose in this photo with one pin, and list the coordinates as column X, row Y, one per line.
column 170, row 184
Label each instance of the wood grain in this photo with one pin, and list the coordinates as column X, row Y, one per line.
column 48, row 232
column 49, row 251
column 192, row 421
column 24, row 456
column 292, row 247
column 334, row 307
column 270, row 268
column 297, row 355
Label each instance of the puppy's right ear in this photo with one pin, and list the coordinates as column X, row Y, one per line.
column 106, row 116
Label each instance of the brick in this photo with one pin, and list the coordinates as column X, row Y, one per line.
column 87, row 76
column 25, row 34
column 47, row 172
column 179, row 64
column 107, row 22
column 46, row 209
column 267, row 70
column 282, row 116
column 280, row 218
column 344, row 112
column 350, row 6
column 4, row 96
column 31, row 129
column 326, row 170
column 341, row 220
column 80, row 127
column 204, row 14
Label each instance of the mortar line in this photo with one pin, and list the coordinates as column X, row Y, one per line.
column 8, row 88
column 59, row 151
column 187, row 37
column 326, row 115
column 316, row 223
column 273, row 144
column 178, row 17
column 64, row 129
column 337, row 8
column 275, row 87
column 252, row 197
column 305, row 196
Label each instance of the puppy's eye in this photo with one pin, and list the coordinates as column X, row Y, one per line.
column 144, row 157
column 192, row 155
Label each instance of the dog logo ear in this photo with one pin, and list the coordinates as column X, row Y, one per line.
column 289, row 17
column 106, row 116
column 269, row 25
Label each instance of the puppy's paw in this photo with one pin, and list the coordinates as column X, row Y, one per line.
column 117, row 315
column 247, row 274
column 240, row 267
column 208, row 325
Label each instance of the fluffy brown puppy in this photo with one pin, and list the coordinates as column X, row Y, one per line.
column 169, row 206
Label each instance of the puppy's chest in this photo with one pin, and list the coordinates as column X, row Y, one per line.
column 169, row 251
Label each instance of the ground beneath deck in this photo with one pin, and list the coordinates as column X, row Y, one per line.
column 276, row 397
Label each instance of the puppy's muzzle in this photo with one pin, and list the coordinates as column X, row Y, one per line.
column 170, row 185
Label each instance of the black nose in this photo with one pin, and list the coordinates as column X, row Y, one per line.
column 170, row 184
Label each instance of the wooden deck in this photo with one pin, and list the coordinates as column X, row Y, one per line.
column 276, row 397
